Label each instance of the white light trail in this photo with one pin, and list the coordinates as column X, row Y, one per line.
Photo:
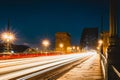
column 17, row 67
column 30, row 65
column 5, row 63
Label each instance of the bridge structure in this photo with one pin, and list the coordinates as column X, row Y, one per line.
column 110, row 58
column 83, row 65
column 88, row 66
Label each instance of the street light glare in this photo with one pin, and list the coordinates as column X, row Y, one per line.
column 100, row 42
column 61, row 45
column 46, row 43
column 7, row 37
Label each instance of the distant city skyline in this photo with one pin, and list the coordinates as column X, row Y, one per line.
column 35, row 20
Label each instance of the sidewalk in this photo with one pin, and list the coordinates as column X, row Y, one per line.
column 88, row 70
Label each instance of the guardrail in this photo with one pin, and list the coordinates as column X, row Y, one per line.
column 109, row 71
column 116, row 71
column 103, row 61
column 113, row 73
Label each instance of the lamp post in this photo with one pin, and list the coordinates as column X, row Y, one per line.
column 100, row 43
column 46, row 44
column 78, row 49
column 61, row 45
column 8, row 38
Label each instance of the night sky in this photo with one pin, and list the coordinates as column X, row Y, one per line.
column 34, row 20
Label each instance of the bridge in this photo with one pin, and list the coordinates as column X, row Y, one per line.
column 89, row 65
column 75, row 66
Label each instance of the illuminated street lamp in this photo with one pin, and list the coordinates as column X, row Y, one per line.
column 61, row 45
column 98, row 48
column 78, row 49
column 8, row 38
column 73, row 47
column 100, row 42
column 46, row 43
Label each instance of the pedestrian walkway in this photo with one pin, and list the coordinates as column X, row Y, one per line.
column 88, row 70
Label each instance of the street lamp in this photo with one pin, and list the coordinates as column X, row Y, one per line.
column 8, row 38
column 73, row 48
column 61, row 45
column 78, row 49
column 46, row 43
column 100, row 46
column 100, row 42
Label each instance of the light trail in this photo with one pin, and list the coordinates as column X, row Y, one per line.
column 31, row 65
column 17, row 67
column 5, row 63
column 48, row 69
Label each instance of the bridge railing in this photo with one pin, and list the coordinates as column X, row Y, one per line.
column 104, row 65
column 109, row 71
column 116, row 71
column 113, row 73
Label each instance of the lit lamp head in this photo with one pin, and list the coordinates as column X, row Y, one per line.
column 100, row 42
column 98, row 48
column 61, row 45
column 46, row 43
column 78, row 48
column 7, row 37
column 73, row 47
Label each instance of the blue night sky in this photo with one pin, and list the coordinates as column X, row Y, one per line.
column 34, row 20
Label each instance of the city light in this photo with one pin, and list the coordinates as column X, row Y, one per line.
column 8, row 37
column 46, row 43
column 100, row 42
column 98, row 48
column 61, row 45
column 78, row 48
column 73, row 47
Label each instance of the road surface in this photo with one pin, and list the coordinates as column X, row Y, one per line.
column 26, row 68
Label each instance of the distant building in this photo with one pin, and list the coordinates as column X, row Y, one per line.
column 62, row 42
column 89, row 38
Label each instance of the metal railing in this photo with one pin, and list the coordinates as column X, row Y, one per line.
column 103, row 61
column 109, row 71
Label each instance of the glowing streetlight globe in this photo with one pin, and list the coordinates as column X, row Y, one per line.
column 46, row 43
column 61, row 45
column 73, row 47
column 7, row 37
column 100, row 42
column 78, row 48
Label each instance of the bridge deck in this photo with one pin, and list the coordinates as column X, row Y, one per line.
column 88, row 70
